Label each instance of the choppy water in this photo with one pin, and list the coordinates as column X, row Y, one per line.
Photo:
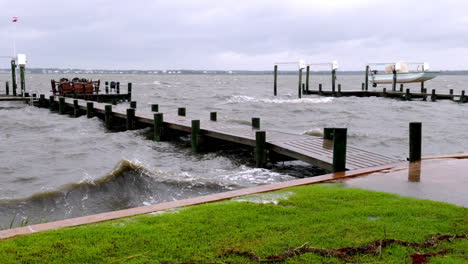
column 55, row 167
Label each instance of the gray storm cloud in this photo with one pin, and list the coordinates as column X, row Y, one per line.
column 234, row 34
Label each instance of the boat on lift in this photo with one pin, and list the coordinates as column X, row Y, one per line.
column 402, row 72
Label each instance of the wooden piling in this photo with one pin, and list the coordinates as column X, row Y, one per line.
column 118, row 87
column 181, row 111
column 415, row 138
column 22, row 79
column 395, row 81
column 328, row 133
column 42, row 100
column 89, row 109
column 424, row 94
column 260, row 143
column 339, row 149
column 108, row 116
column 366, row 82
column 401, row 87
column 129, row 91
column 158, row 126
column 451, row 91
column 462, row 96
column 194, row 137
column 13, row 77
column 299, row 94
column 275, row 80
column 320, row 89
column 255, row 122
column 213, row 116
column 422, row 86
column 333, row 81
column 408, row 95
column 133, row 104
column 154, row 108
column 362, row 86
column 107, row 87
column 7, row 88
column 114, row 101
column 384, row 93
column 76, row 108
column 339, row 90
column 433, row 95
column 51, row 103
column 130, row 122
column 62, row 105
column 307, row 79
column 303, row 89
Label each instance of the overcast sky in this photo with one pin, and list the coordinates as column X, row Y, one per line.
column 219, row 34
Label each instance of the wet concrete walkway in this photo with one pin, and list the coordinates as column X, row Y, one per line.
column 443, row 180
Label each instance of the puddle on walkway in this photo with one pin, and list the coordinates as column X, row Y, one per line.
column 443, row 180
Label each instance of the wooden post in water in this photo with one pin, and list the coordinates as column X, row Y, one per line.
column 303, row 89
column 339, row 90
column 89, row 109
column 107, row 87
column 422, row 86
column 384, row 94
column 451, row 91
column 320, row 89
column 255, row 122
column 181, row 111
column 362, row 87
column 260, row 142
column 424, row 94
column 51, row 103
column 333, row 81
column 395, row 81
column 339, row 149
column 118, row 87
column 307, row 79
column 108, row 116
column 415, row 138
column 76, row 108
column 158, row 126
column 299, row 94
column 7, row 88
column 401, row 87
column 133, row 104
column 328, row 133
column 213, row 116
column 130, row 124
column 62, row 105
column 13, row 77
column 42, row 101
column 22, row 79
column 462, row 96
column 366, row 81
column 129, row 91
column 154, row 108
column 275, row 80
column 407, row 95
column 433, row 95
column 194, row 137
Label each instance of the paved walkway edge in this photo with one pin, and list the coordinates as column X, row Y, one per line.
column 204, row 199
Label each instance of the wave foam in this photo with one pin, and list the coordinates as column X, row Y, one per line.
column 244, row 98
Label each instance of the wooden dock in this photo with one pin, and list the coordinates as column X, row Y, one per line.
column 277, row 145
column 14, row 98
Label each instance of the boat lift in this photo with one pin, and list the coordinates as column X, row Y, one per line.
column 19, row 60
column 396, row 66
column 304, row 88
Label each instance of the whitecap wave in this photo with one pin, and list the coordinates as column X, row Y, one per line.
column 244, row 98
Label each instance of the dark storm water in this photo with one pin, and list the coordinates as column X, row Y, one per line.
column 55, row 167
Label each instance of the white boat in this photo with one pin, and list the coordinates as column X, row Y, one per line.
column 403, row 74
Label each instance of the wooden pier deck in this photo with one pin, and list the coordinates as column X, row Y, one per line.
column 313, row 150
column 14, row 98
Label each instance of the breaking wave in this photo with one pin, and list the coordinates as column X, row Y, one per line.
column 244, row 98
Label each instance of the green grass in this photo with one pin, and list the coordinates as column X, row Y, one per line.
column 323, row 216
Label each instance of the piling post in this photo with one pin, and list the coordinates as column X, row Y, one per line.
column 451, row 91
column 395, row 81
column 401, row 87
column 333, row 81
column 51, row 103
column 407, row 95
column 76, row 108
column 118, row 87
column 362, row 87
column 108, row 116
column 181, row 111
column 7, row 88
column 62, row 105
column 213, row 116
column 462, row 96
column 384, row 94
column 339, row 149
column 107, row 87
column 307, row 79
column 194, row 137
column 13, row 77
column 339, row 90
column 366, row 81
column 158, row 126
column 129, row 91
column 422, row 86
column 303, row 89
column 89, row 109
column 22, row 79
column 260, row 143
column 424, row 94
column 433, row 95
column 255, row 122
column 415, row 138
column 154, row 108
column 328, row 133
column 114, row 101
column 130, row 122
column 320, row 89
column 133, row 104
column 275, row 80
column 299, row 94
column 42, row 100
